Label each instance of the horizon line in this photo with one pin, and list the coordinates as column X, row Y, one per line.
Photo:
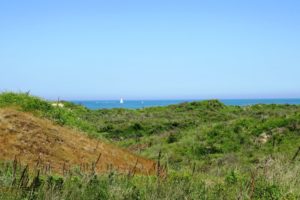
column 183, row 99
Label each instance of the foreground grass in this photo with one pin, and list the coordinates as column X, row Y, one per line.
column 274, row 179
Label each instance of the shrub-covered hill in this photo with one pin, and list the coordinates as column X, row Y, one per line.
column 197, row 132
column 209, row 150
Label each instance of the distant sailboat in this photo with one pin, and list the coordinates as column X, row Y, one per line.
column 121, row 101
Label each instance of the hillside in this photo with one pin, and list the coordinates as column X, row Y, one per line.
column 196, row 133
column 41, row 144
column 208, row 150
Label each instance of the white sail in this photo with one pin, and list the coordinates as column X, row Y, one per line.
column 121, row 101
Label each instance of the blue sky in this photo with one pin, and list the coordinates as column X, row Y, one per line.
column 154, row 49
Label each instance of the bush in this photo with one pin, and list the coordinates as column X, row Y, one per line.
column 231, row 178
column 265, row 191
column 171, row 138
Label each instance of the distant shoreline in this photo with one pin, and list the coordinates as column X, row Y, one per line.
column 136, row 104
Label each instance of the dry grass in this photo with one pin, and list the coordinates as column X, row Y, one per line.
column 42, row 144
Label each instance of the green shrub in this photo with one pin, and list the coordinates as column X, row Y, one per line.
column 231, row 178
column 265, row 191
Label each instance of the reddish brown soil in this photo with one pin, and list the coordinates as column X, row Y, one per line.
column 39, row 142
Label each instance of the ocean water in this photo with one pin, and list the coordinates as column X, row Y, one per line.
column 135, row 104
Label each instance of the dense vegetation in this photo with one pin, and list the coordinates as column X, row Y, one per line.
column 209, row 150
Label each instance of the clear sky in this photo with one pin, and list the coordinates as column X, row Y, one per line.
column 151, row 49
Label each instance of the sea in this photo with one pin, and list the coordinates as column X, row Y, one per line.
column 138, row 104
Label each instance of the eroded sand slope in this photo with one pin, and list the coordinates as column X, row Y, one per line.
column 36, row 141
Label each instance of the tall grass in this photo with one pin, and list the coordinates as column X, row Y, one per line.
column 275, row 178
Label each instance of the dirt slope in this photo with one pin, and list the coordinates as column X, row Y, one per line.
column 39, row 142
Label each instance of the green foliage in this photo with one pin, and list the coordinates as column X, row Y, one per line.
column 70, row 114
column 120, row 186
column 231, row 178
column 210, row 151
column 187, row 131
column 265, row 191
column 172, row 138
column 26, row 102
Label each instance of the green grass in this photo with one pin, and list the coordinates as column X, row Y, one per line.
column 211, row 150
column 69, row 115
column 17, row 183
